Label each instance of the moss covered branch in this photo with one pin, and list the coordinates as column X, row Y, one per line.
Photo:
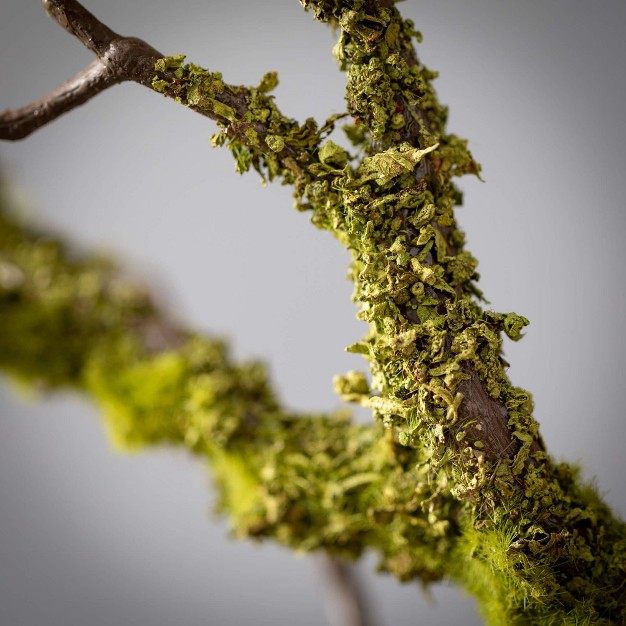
column 454, row 479
column 309, row 481
column 438, row 378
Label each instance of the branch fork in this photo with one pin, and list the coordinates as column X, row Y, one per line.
column 118, row 59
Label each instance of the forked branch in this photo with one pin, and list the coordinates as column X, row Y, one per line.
column 247, row 115
column 119, row 59
column 460, row 484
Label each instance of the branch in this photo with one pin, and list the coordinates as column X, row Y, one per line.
column 460, row 484
column 273, row 143
column 78, row 90
column 346, row 602
column 418, row 122
column 311, row 482
column 435, row 354
column 119, row 59
column 86, row 27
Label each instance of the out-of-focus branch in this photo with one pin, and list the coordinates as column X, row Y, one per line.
column 311, row 482
column 346, row 604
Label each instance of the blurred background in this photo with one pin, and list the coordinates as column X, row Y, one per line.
column 91, row 536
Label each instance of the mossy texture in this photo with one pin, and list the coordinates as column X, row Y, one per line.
column 452, row 479
column 310, row 481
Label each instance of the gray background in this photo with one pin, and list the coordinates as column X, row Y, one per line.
column 89, row 536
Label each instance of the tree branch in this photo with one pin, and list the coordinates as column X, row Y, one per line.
column 248, row 116
column 119, row 59
column 481, row 417
column 126, row 58
column 78, row 90
column 436, row 355
column 311, row 482
column 346, row 603
column 461, row 483
column 79, row 22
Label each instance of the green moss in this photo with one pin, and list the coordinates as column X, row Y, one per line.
column 426, row 486
column 238, row 484
column 256, row 132
column 141, row 401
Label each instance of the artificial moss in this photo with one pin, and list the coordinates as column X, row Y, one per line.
column 430, row 486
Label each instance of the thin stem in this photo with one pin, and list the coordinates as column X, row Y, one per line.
column 119, row 59
column 76, row 91
column 85, row 26
column 345, row 600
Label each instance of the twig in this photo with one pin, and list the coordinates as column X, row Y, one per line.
column 76, row 91
column 346, row 604
column 119, row 59
column 85, row 26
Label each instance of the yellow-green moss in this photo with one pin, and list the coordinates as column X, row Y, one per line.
column 421, row 487
column 140, row 399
